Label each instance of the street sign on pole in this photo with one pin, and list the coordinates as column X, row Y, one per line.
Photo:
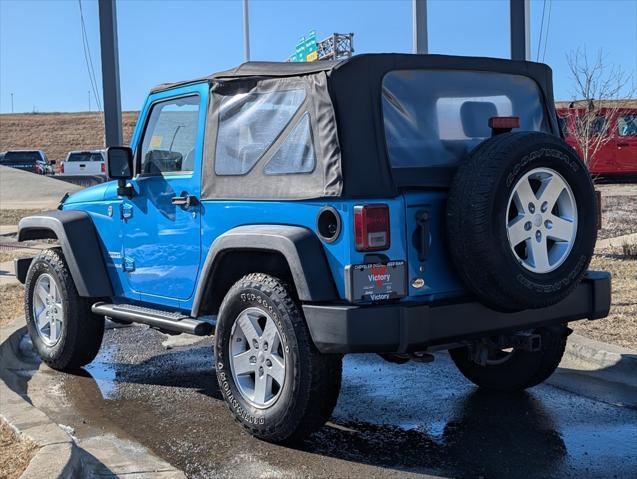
column 110, row 74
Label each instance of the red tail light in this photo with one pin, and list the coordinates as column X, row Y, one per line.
column 504, row 122
column 61, row 167
column 103, row 167
column 371, row 227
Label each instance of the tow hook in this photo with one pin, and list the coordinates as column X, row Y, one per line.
column 402, row 358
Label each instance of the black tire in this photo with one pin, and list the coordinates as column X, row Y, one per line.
column 313, row 380
column 81, row 331
column 522, row 369
column 477, row 218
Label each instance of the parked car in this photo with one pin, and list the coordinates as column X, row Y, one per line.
column 34, row 161
column 396, row 204
column 84, row 163
column 617, row 158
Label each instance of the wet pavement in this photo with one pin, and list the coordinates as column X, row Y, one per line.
column 390, row 421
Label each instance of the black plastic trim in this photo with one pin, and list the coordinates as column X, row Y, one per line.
column 80, row 244
column 301, row 248
column 412, row 327
column 21, row 268
column 339, row 224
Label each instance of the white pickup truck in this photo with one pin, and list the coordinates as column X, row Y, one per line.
column 84, row 163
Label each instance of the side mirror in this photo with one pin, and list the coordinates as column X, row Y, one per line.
column 119, row 160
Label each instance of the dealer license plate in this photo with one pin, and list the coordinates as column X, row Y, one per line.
column 376, row 282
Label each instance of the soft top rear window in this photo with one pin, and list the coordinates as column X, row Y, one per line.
column 435, row 117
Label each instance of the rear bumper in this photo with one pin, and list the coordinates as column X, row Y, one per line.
column 414, row 327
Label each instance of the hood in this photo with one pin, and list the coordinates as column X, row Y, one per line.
column 99, row 192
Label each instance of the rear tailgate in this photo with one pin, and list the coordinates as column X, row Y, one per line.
column 83, row 168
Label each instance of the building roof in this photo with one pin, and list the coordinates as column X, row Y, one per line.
column 625, row 103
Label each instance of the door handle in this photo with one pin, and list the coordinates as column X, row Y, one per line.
column 422, row 235
column 622, row 144
column 186, row 201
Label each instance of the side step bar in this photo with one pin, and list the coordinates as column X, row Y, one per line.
column 166, row 320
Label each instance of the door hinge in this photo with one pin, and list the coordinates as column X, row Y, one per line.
column 128, row 264
column 127, row 211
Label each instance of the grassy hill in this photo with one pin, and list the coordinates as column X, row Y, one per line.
column 57, row 133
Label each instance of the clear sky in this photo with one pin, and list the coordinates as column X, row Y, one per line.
column 42, row 61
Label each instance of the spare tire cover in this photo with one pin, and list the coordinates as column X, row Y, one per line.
column 521, row 220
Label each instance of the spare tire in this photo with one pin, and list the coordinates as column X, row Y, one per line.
column 521, row 220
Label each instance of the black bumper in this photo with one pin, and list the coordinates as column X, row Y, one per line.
column 414, row 327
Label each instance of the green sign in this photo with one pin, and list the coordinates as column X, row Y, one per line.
column 306, row 49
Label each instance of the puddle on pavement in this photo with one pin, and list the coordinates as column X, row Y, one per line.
column 104, row 373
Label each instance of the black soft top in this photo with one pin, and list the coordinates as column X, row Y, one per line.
column 354, row 87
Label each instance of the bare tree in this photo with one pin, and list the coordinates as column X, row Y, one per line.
column 598, row 97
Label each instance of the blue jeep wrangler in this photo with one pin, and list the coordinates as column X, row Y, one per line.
column 396, row 204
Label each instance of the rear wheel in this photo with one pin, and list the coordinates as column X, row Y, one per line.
column 511, row 369
column 64, row 331
column 274, row 381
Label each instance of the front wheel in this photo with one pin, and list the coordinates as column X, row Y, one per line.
column 513, row 369
column 64, row 331
column 273, row 379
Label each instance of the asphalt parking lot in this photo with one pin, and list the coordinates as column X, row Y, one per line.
column 390, row 421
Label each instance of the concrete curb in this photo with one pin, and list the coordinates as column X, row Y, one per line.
column 58, row 456
column 616, row 363
column 61, row 455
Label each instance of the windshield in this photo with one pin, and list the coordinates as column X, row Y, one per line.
column 87, row 156
column 435, row 117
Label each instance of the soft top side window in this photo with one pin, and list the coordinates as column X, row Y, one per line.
column 168, row 144
column 249, row 124
column 296, row 153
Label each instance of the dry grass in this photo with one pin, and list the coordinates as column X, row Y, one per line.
column 15, row 453
column 619, row 216
column 57, row 133
column 12, row 301
column 630, row 250
column 621, row 325
column 13, row 217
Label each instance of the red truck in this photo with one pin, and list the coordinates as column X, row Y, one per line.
column 618, row 157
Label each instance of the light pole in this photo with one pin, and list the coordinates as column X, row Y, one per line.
column 11, row 102
column 110, row 74
column 246, row 31
column 89, row 101
column 419, row 26
column 520, row 29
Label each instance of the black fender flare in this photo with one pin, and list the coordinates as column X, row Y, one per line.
column 300, row 247
column 80, row 244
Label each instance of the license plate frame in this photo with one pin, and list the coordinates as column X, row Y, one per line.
column 374, row 282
